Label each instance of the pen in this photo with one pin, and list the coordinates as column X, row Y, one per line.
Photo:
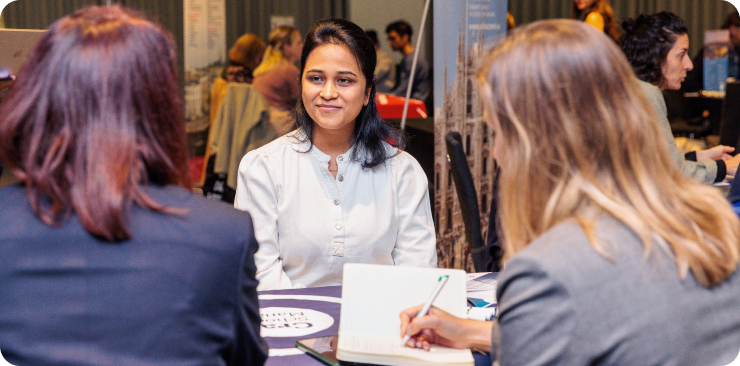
column 442, row 280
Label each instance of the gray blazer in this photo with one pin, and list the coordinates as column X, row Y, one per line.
column 703, row 171
column 561, row 303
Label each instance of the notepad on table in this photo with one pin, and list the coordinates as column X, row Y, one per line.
column 373, row 296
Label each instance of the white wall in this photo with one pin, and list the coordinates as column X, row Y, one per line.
column 377, row 14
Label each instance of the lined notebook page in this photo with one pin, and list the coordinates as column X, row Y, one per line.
column 391, row 345
column 373, row 296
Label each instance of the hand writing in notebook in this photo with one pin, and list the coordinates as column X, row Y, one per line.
column 439, row 327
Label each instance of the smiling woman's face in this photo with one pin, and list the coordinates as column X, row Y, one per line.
column 333, row 88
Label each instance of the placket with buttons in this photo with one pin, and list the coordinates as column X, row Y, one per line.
column 337, row 214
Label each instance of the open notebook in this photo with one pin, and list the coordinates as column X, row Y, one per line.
column 373, row 296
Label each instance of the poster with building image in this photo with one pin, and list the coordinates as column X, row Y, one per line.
column 716, row 59
column 205, row 56
column 463, row 31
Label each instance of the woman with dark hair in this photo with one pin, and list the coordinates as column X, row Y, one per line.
column 657, row 47
column 613, row 257
column 105, row 255
column 596, row 13
column 334, row 191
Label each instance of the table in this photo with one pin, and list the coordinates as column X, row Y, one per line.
column 319, row 303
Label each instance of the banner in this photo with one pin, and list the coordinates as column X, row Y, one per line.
column 716, row 59
column 463, row 31
column 205, row 57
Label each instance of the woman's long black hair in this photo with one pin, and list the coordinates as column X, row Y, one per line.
column 371, row 132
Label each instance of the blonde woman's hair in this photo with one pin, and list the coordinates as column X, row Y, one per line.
column 274, row 54
column 579, row 140
column 246, row 49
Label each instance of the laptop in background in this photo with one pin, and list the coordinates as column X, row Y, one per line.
column 15, row 45
column 729, row 131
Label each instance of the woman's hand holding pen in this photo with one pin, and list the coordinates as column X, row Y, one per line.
column 439, row 327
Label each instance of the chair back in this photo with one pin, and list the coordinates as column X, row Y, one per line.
column 468, row 199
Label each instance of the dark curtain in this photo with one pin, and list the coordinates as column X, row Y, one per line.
column 242, row 16
column 700, row 15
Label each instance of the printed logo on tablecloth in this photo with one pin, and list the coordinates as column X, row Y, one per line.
column 293, row 322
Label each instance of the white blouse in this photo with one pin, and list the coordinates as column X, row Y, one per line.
column 309, row 224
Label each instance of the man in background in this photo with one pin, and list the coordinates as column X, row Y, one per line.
column 695, row 78
column 399, row 38
column 385, row 69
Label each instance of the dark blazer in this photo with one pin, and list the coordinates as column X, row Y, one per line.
column 182, row 291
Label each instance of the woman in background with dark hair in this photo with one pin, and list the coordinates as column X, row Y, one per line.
column 596, row 13
column 657, row 47
column 334, row 191
column 106, row 257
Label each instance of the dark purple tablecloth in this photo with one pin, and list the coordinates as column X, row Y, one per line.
column 291, row 299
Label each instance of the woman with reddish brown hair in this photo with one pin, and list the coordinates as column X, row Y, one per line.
column 105, row 255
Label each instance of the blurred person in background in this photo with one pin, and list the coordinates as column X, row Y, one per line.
column 399, row 38
column 244, row 57
column 385, row 71
column 276, row 77
column 598, row 14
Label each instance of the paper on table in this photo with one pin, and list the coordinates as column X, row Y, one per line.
column 373, row 296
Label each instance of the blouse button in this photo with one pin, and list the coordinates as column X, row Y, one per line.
column 336, row 202
column 340, row 158
column 341, row 178
column 339, row 227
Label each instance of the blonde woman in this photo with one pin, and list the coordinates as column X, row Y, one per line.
column 276, row 78
column 596, row 13
column 614, row 257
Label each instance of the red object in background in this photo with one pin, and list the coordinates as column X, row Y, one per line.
column 195, row 166
column 391, row 106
